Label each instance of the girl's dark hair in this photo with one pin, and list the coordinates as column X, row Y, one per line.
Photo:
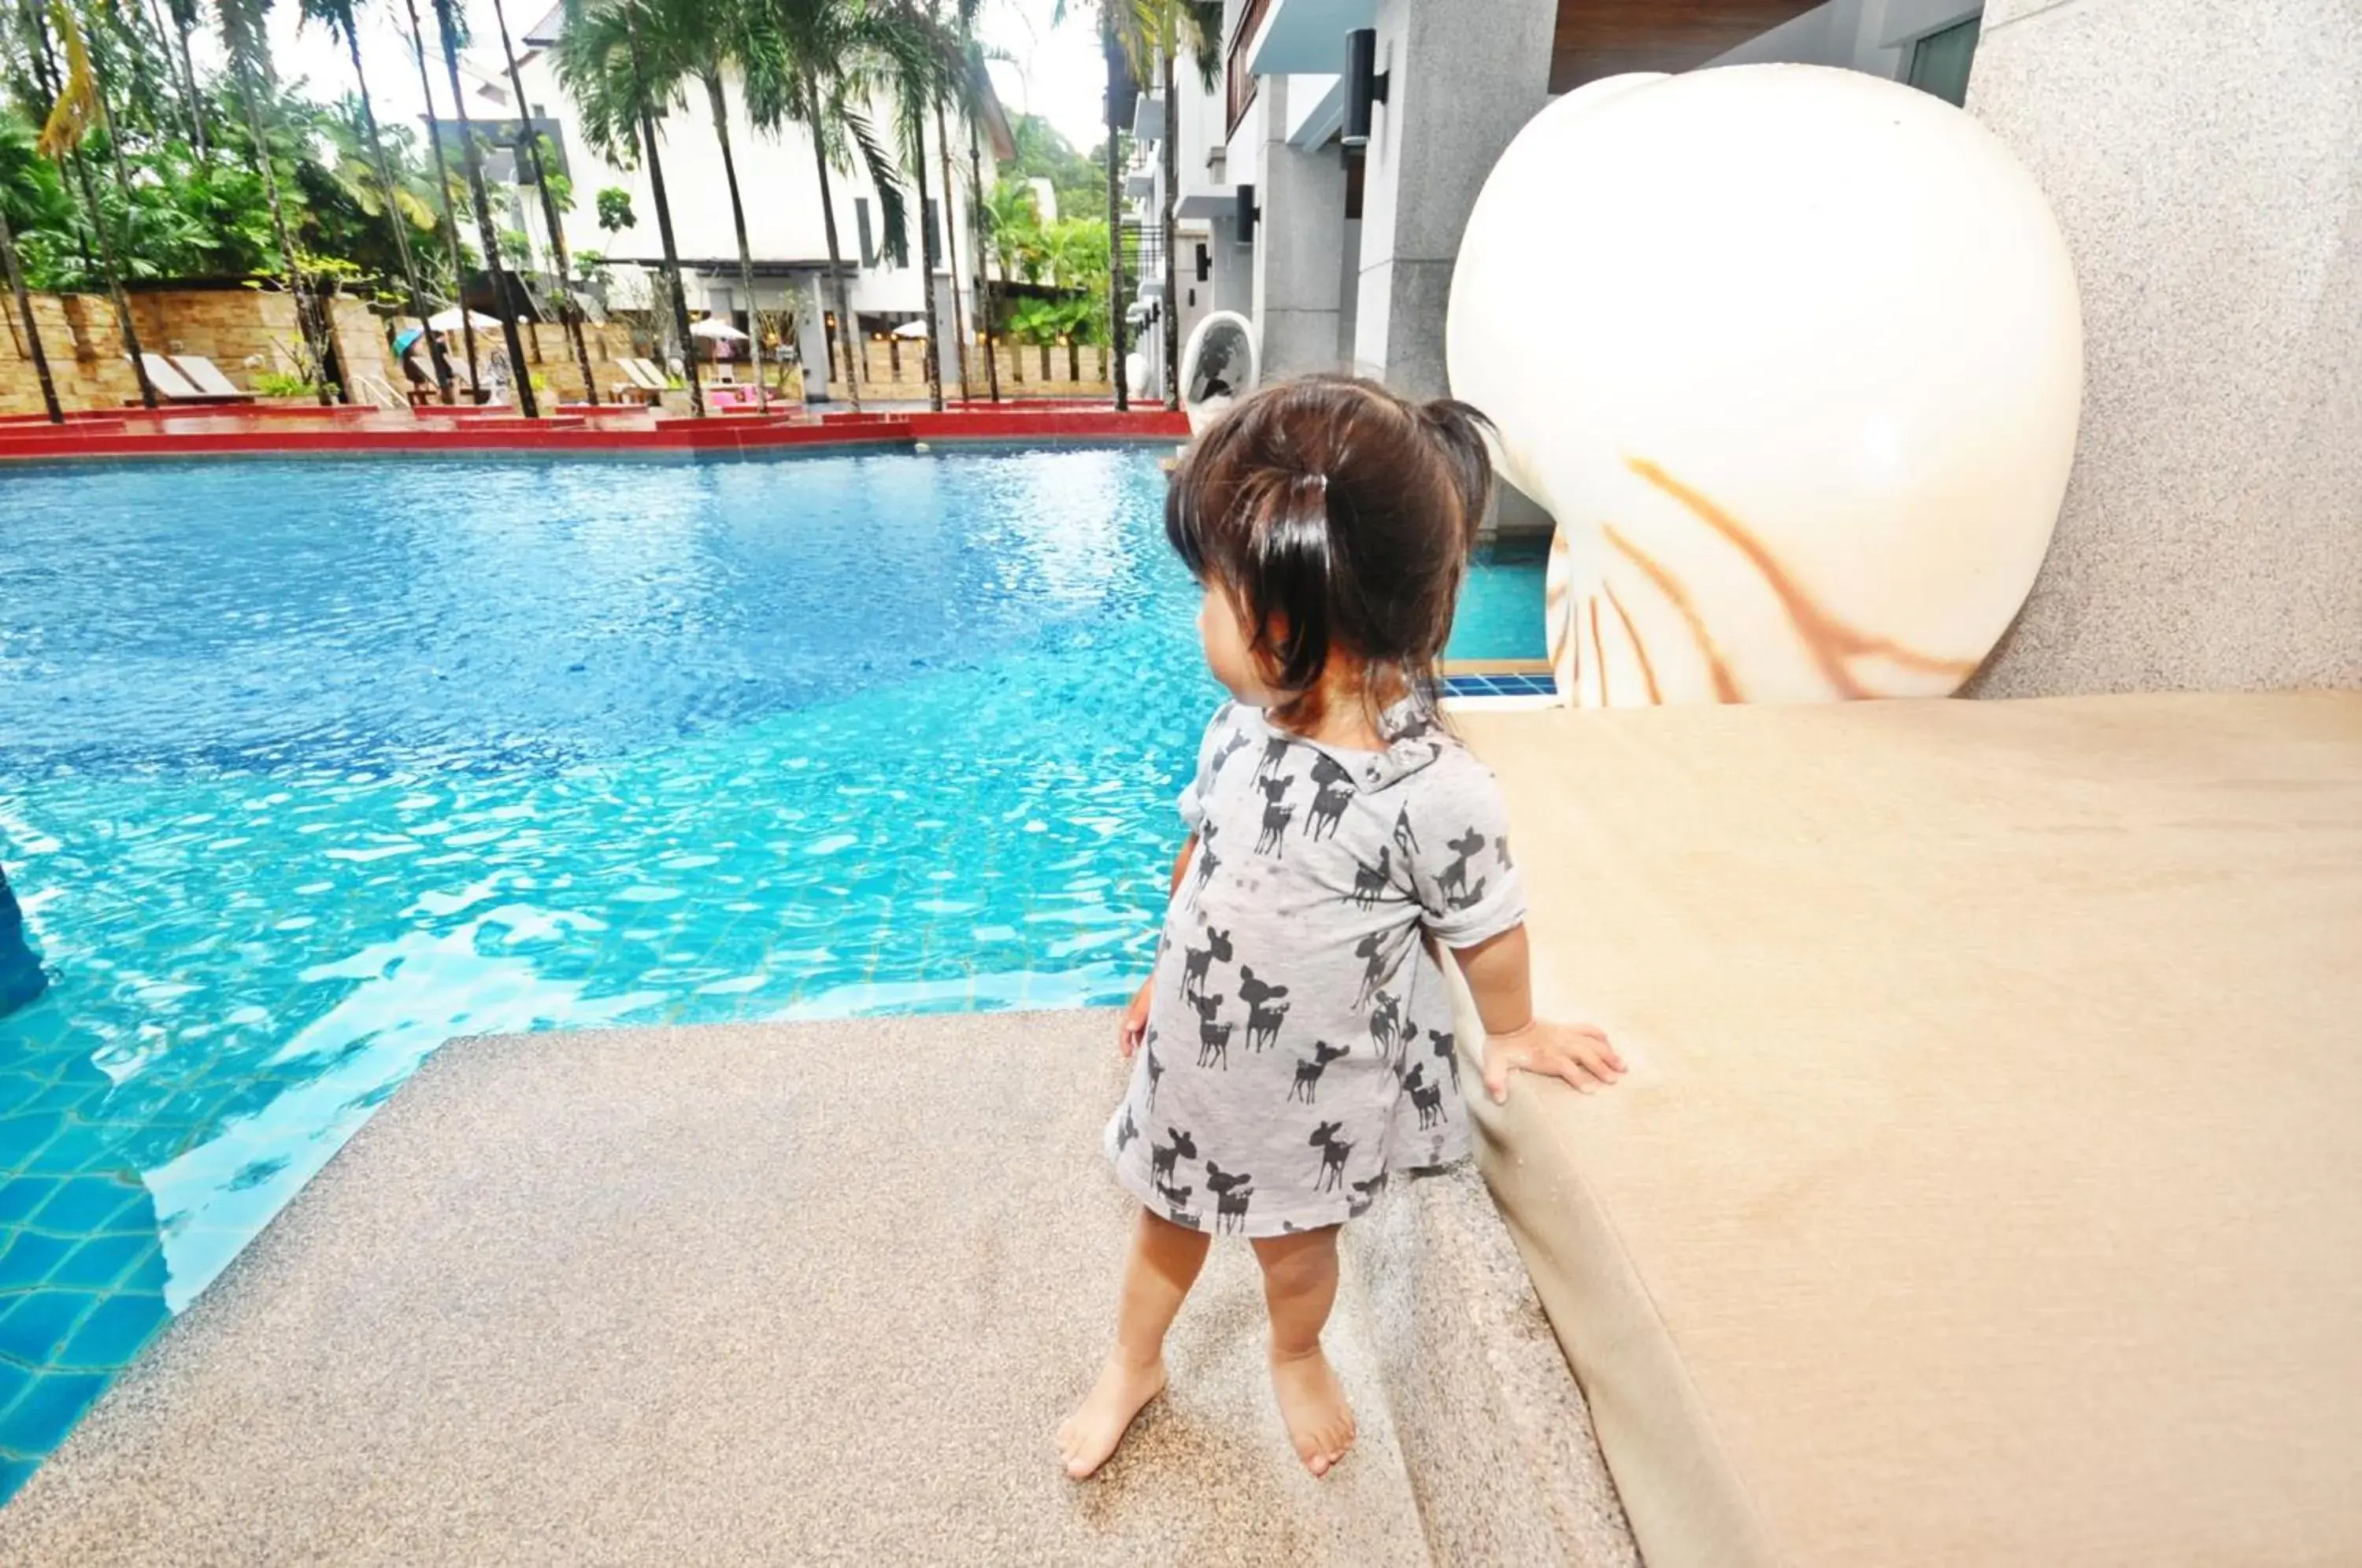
column 1341, row 517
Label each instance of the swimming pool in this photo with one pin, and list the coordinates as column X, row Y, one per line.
column 310, row 766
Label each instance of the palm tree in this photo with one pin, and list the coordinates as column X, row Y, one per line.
column 447, row 24
column 25, row 312
column 701, row 35
column 976, row 217
column 81, row 108
column 1117, row 22
column 183, row 13
column 249, row 48
column 450, row 222
column 338, row 17
column 1111, row 45
column 619, row 88
column 1157, row 32
column 955, row 85
column 914, row 48
column 1010, row 234
column 568, row 310
column 814, row 61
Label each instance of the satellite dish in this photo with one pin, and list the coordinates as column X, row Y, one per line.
column 1220, row 366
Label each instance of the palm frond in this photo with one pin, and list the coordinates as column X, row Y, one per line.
column 893, row 206
column 78, row 108
column 245, row 39
column 336, row 15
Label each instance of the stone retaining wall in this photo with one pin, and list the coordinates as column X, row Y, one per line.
column 244, row 332
column 899, row 370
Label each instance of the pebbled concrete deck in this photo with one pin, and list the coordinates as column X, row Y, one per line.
column 780, row 1294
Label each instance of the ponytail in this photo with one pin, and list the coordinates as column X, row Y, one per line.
column 1458, row 430
column 1295, row 558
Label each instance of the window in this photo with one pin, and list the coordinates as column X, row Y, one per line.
column 868, row 236
column 1939, row 62
column 1205, row 265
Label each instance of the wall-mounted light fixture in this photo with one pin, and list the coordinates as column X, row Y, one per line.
column 1247, row 214
column 1366, row 85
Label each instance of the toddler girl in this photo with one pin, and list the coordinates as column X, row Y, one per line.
column 1294, row 1047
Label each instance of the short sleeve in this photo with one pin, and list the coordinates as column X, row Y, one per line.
column 1213, row 750
column 1457, row 841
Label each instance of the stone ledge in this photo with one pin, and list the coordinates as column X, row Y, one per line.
column 1495, row 1434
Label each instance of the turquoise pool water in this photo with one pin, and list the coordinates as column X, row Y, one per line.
column 308, row 768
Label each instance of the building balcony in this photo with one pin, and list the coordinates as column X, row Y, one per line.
column 1287, row 37
column 1148, row 118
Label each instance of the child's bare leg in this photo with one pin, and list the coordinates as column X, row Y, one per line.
column 1300, row 1285
column 1157, row 1273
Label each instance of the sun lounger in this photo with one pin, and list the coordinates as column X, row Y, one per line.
column 206, row 377
column 642, row 381
column 170, row 384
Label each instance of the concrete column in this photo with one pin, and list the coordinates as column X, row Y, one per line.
column 1302, row 195
column 1234, row 280
column 1457, row 93
column 947, row 323
column 811, row 336
column 2204, row 161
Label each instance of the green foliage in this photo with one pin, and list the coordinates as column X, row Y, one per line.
column 561, row 188
column 615, row 213
column 1070, row 256
column 1078, row 179
column 195, row 214
column 283, row 383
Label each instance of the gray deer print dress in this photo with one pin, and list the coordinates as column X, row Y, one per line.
column 1299, row 1042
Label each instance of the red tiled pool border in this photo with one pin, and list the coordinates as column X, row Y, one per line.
column 302, row 432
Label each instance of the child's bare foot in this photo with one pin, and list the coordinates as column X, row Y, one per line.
column 1093, row 1432
column 1312, row 1401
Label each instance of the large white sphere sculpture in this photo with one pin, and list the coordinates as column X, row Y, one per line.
column 1794, row 357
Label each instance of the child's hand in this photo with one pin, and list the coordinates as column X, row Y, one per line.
column 1579, row 1053
column 1135, row 1019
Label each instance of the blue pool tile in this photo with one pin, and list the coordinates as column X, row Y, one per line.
column 115, row 1331
column 31, row 1257
column 14, row 1380
column 20, row 1197
column 101, row 1262
column 74, row 1147
column 21, row 1135
column 84, row 1204
column 13, row 1473
column 37, row 1322
column 47, row 1409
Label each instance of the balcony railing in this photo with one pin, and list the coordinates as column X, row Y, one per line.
column 1242, row 79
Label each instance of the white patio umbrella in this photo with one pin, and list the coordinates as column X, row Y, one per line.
column 714, row 326
column 448, row 320
column 912, row 328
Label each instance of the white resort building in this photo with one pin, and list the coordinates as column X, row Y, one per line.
column 1329, row 208
column 778, row 183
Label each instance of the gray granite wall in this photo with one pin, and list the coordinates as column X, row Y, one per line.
column 1302, row 195
column 2205, row 160
column 1459, row 89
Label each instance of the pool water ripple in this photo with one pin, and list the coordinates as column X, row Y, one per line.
column 307, row 768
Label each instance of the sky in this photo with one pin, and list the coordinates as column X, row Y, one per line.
column 1052, row 71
